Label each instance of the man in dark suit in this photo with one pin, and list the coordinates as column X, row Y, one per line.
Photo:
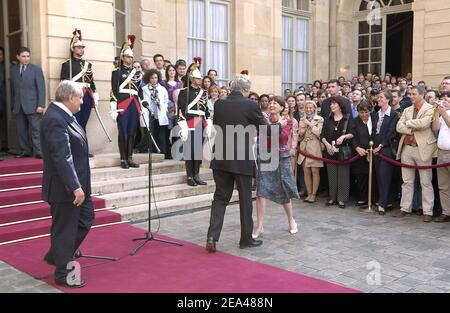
column 234, row 111
column 3, row 121
column 27, row 102
column 66, row 183
column 334, row 87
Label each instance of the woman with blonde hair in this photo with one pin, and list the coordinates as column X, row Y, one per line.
column 310, row 128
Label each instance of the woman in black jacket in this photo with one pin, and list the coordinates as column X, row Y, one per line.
column 362, row 133
column 383, row 133
column 337, row 132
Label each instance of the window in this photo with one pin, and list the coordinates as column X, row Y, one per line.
column 208, row 36
column 295, row 52
column 302, row 5
column 370, row 4
column 371, row 32
column 120, row 24
column 370, row 48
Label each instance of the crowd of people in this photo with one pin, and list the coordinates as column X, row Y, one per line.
column 332, row 122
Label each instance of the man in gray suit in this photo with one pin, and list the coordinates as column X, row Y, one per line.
column 27, row 102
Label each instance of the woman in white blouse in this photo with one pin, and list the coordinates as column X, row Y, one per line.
column 156, row 115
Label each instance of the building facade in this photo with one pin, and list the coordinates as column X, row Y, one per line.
column 283, row 43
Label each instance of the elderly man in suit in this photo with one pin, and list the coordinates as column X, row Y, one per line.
column 66, row 183
column 417, row 147
column 234, row 111
column 27, row 102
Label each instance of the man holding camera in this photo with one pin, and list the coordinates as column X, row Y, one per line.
column 441, row 124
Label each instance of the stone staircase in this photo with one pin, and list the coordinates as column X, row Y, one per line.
column 127, row 190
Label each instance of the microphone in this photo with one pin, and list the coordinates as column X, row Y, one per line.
column 145, row 104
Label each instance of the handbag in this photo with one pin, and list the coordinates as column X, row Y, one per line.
column 345, row 151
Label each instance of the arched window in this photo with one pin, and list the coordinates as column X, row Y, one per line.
column 371, row 4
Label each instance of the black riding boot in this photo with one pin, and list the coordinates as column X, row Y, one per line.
column 190, row 173
column 123, row 153
column 130, row 144
column 197, row 179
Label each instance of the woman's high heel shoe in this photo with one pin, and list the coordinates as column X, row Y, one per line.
column 256, row 235
column 294, row 230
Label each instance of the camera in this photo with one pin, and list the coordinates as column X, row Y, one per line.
column 375, row 92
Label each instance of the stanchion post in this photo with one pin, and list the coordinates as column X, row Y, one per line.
column 369, row 201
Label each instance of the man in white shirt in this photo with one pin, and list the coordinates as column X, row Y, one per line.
column 441, row 123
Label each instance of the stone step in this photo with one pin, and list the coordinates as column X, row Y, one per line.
column 114, row 173
column 113, row 160
column 141, row 182
column 140, row 196
column 140, row 212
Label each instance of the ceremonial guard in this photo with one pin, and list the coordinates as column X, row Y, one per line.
column 80, row 71
column 125, row 105
column 193, row 119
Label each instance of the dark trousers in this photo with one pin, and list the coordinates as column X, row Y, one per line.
column 70, row 226
column 161, row 135
column 224, row 191
column 25, row 124
column 362, row 182
column 339, row 182
column 384, row 172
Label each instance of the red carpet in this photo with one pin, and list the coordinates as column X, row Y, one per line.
column 21, row 211
column 25, row 165
column 163, row 268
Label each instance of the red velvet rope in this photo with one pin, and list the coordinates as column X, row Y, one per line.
column 310, row 156
column 395, row 163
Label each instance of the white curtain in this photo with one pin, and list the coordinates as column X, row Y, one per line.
column 218, row 34
column 196, row 30
column 286, row 55
column 302, row 55
column 218, row 37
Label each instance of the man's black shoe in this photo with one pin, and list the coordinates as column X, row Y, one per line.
column 124, row 165
column 251, row 244
column 66, row 285
column 191, row 182
column 211, row 245
column 133, row 164
column 199, row 181
column 49, row 260
column 90, row 155
column 22, row 155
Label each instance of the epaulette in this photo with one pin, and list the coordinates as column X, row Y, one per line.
column 115, row 69
column 183, row 88
column 66, row 61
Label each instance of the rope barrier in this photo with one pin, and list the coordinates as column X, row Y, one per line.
column 330, row 161
column 380, row 156
column 399, row 164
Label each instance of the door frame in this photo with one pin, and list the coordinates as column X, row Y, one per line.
column 25, row 30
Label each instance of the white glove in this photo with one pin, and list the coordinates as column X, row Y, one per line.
column 114, row 114
column 184, row 131
column 209, row 127
column 96, row 98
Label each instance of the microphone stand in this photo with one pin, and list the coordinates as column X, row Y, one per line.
column 149, row 237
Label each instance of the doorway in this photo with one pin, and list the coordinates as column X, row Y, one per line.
column 399, row 43
column 13, row 34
